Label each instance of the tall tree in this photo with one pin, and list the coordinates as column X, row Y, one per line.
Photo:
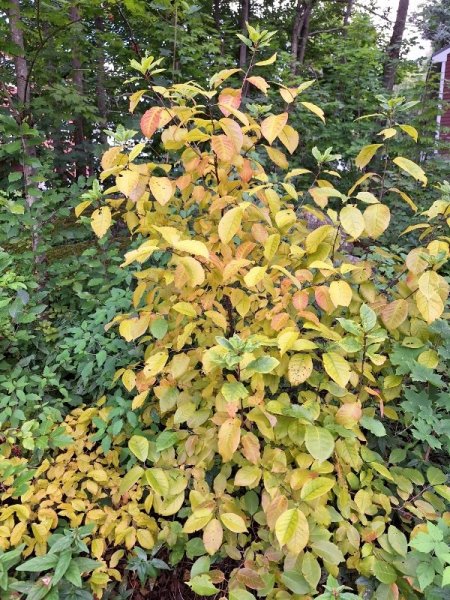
column 305, row 32
column 394, row 46
column 22, row 75
column 77, row 80
column 101, row 76
column 244, row 16
column 296, row 29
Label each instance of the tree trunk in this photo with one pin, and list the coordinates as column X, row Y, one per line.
column 77, row 80
column 100, row 80
column 394, row 47
column 20, row 62
column 23, row 97
column 347, row 14
column 296, row 29
column 216, row 14
column 305, row 33
column 245, row 11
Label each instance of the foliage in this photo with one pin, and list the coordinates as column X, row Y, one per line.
column 274, row 366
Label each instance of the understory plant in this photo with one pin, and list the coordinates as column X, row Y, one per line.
column 274, row 437
column 272, row 376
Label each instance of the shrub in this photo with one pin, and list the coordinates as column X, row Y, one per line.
column 276, row 368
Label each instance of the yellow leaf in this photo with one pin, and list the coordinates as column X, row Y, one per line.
column 129, row 379
column 101, row 221
column 221, row 76
column 352, row 221
column 230, row 224
column 315, row 488
column 139, row 400
column 340, row 293
column 213, row 536
column 155, row 364
column 198, row 519
column 223, row 147
column 366, row 154
column 233, row 131
column 185, row 308
column 314, row 109
column 267, row 61
column 277, row 157
column 272, row 126
column 271, row 246
column 229, row 437
column 162, row 189
column 376, row 219
column 233, row 522
column 349, row 414
column 80, row 208
column 131, row 184
column 135, row 98
column 411, row 168
column 430, row 307
column 153, row 119
column 192, row 247
column 110, row 157
column 337, row 368
column 316, row 237
column 289, row 138
column 367, row 197
column 286, row 340
column 300, row 368
column 292, row 530
column 394, row 314
column 145, row 539
column 296, row 173
column 133, row 328
column 98, row 547
column 388, row 133
column 429, row 283
column 260, row 83
column 254, row 276
column 405, row 197
column 192, row 271
column 411, row 131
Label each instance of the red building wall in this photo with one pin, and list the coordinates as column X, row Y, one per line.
column 445, row 117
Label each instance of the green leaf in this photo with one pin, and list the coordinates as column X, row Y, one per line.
column 62, row 565
column 166, row 439
column 319, row 442
column 39, row 563
column 368, row 318
column 373, row 425
column 202, row 585
column 139, row 446
column 241, row 595
column 234, row 391
column 397, row 540
column 311, row 570
column 159, row 328
column 425, row 574
column 295, row 582
column 328, row 551
column 315, row 488
column 446, row 576
column 384, row 572
column 200, row 566
column 263, row 364
column 131, row 478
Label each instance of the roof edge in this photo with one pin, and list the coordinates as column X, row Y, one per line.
column 441, row 55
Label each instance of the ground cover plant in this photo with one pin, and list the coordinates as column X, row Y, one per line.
column 284, row 422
